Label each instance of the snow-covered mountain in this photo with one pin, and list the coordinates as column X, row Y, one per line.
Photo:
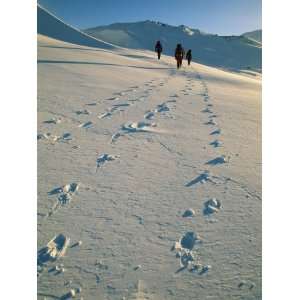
column 210, row 49
column 255, row 35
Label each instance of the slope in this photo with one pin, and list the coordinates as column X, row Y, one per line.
column 50, row 25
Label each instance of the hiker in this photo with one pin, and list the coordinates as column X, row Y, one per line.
column 179, row 55
column 189, row 56
column 158, row 49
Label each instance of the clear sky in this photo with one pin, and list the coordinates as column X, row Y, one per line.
column 223, row 17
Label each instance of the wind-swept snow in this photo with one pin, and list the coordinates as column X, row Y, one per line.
column 128, row 214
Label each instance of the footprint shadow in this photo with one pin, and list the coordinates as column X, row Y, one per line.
column 215, row 132
column 216, row 144
column 55, row 191
column 202, row 178
column 217, row 161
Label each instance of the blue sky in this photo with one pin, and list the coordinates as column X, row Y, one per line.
column 214, row 16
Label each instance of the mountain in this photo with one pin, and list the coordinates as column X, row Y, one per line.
column 236, row 52
column 255, row 35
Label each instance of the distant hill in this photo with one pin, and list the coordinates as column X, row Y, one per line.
column 255, row 35
column 220, row 51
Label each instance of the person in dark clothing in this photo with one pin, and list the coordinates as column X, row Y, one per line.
column 189, row 56
column 179, row 55
column 158, row 49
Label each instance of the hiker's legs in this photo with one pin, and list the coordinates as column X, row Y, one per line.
column 178, row 63
column 158, row 54
column 189, row 62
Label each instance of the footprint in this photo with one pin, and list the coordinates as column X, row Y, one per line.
column 149, row 115
column 121, row 105
column 216, row 143
column 43, row 136
column 103, row 158
column 86, row 125
column 92, row 104
column 68, row 188
column 202, row 178
column 246, row 284
column 189, row 240
column 65, row 195
column 218, row 160
column 211, row 206
column 54, row 249
column 171, row 101
column 113, row 99
column 203, row 94
column 161, row 108
column 71, row 294
column 213, row 116
column 71, row 188
column 211, row 122
column 104, row 115
column 55, row 191
column 83, row 112
column 138, row 126
column 186, row 259
column 207, row 110
column 115, row 136
column 48, row 136
column 188, row 213
column 64, row 198
column 189, row 260
column 66, row 137
column 53, row 121
column 217, row 131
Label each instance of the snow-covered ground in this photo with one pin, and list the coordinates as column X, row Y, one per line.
column 145, row 142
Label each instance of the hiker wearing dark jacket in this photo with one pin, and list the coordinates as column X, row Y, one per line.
column 179, row 55
column 189, row 56
column 158, row 49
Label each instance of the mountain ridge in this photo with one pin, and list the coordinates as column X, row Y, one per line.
column 232, row 52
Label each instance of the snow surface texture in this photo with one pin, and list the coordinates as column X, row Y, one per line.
column 234, row 52
column 126, row 216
